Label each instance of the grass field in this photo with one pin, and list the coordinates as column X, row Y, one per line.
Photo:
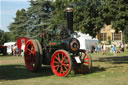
column 109, row 69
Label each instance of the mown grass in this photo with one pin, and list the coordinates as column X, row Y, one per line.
column 107, row 69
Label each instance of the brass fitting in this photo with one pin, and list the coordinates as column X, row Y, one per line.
column 69, row 9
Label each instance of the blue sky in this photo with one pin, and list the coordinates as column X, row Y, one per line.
column 8, row 10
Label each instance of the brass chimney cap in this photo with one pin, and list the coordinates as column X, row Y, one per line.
column 69, row 9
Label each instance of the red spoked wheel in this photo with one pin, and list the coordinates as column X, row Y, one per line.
column 32, row 56
column 86, row 63
column 61, row 63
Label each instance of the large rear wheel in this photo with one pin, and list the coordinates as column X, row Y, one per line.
column 86, row 63
column 61, row 63
column 32, row 56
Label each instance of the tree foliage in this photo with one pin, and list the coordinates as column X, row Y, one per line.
column 89, row 16
column 115, row 12
column 4, row 37
column 19, row 26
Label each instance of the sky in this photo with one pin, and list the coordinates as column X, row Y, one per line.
column 8, row 10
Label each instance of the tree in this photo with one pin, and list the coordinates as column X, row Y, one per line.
column 114, row 12
column 86, row 17
column 39, row 13
column 31, row 21
column 89, row 16
column 19, row 26
column 3, row 37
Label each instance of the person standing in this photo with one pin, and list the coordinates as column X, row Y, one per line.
column 119, row 47
column 98, row 48
column 122, row 47
column 104, row 49
column 22, row 49
column 14, row 50
column 11, row 49
column 114, row 48
column 17, row 51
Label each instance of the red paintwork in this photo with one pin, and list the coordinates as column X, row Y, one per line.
column 19, row 41
column 52, row 43
column 86, row 64
column 30, row 55
column 60, row 63
column 3, row 46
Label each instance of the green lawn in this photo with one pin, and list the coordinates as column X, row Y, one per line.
column 107, row 69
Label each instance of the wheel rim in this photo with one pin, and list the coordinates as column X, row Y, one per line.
column 85, row 66
column 30, row 55
column 61, row 63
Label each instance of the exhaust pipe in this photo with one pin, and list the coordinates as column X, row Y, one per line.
column 69, row 11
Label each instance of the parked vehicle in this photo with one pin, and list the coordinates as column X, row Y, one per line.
column 59, row 49
column 3, row 50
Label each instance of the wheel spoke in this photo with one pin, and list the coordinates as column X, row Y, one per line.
column 66, row 68
column 58, row 58
column 57, row 67
column 66, row 61
column 87, row 63
column 61, row 70
column 65, row 64
column 30, row 51
column 63, row 57
column 86, row 58
column 56, row 62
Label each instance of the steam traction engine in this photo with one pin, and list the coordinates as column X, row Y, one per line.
column 59, row 49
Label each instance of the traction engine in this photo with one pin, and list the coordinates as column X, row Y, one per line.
column 59, row 49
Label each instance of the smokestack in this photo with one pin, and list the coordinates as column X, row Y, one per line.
column 69, row 11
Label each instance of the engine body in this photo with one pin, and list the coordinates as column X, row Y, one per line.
column 55, row 39
column 57, row 47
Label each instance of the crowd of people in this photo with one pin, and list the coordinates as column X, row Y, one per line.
column 101, row 47
column 96, row 48
column 16, row 51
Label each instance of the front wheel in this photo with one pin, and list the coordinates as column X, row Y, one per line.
column 86, row 63
column 61, row 63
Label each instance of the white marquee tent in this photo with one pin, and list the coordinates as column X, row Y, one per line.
column 86, row 41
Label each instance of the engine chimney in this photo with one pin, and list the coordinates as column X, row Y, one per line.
column 69, row 11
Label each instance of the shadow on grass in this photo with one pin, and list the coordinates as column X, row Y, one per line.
column 97, row 69
column 114, row 60
column 94, row 69
column 15, row 72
